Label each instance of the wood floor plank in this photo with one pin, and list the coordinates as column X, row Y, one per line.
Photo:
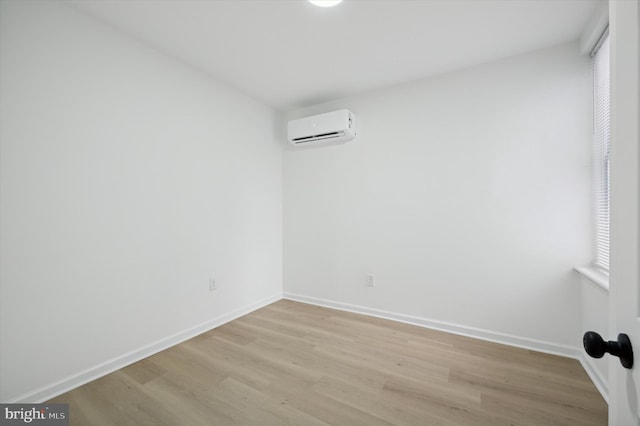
column 255, row 407
column 299, row 364
column 523, row 410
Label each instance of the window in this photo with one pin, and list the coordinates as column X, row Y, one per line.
column 601, row 137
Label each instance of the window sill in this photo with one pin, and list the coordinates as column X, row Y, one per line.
column 596, row 277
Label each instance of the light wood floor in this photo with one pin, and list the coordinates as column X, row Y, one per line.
column 297, row 364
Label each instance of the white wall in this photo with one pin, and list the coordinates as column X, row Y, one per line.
column 467, row 195
column 127, row 180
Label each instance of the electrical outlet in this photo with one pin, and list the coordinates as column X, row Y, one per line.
column 371, row 280
column 213, row 285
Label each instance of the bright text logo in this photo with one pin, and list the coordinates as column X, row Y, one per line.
column 34, row 414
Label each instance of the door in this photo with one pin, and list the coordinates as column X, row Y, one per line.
column 624, row 301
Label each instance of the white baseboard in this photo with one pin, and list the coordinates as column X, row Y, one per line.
column 596, row 377
column 52, row 390
column 478, row 333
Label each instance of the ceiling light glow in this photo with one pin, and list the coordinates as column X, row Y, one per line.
column 325, row 3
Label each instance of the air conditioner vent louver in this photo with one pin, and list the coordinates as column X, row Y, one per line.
column 336, row 126
column 331, row 135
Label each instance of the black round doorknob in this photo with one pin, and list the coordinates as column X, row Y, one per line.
column 596, row 347
column 593, row 343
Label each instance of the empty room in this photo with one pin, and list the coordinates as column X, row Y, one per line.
column 356, row 212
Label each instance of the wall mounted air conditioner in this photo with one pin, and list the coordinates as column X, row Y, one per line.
column 336, row 126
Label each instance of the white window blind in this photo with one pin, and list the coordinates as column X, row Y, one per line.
column 601, row 136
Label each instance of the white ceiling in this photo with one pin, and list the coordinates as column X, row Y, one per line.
column 289, row 54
